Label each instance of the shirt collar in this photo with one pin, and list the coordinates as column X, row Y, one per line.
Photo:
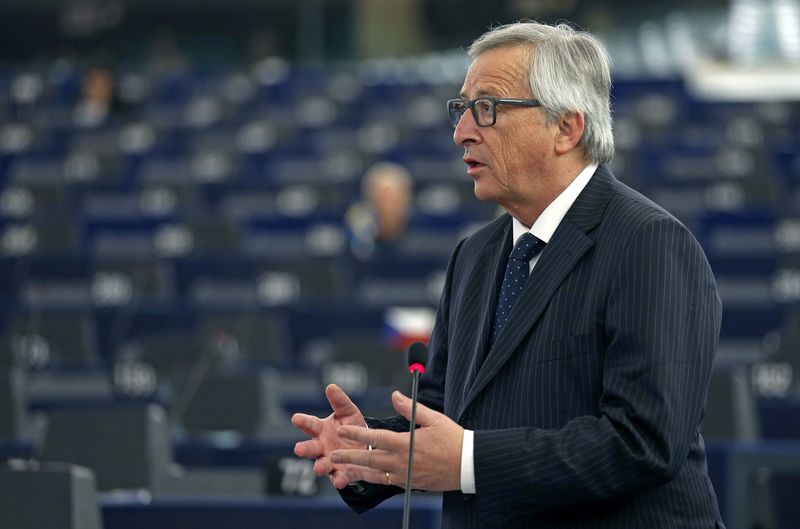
column 553, row 214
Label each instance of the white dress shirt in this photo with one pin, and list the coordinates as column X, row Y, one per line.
column 543, row 229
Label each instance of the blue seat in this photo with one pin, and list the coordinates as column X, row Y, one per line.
column 245, row 283
column 68, row 490
column 747, row 232
column 51, row 338
column 13, row 402
column 127, row 445
column 253, row 336
column 120, row 237
column 52, row 282
column 117, row 326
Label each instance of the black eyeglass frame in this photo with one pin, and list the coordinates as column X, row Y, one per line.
column 470, row 104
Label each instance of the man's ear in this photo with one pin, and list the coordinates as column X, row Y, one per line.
column 570, row 130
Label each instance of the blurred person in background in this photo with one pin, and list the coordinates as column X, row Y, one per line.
column 379, row 220
column 574, row 397
column 98, row 97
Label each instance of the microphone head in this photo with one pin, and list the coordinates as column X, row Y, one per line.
column 417, row 357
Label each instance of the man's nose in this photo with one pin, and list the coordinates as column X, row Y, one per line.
column 466, row 130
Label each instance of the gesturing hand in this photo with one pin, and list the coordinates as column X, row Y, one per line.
column 324, row 435
column 437, row 451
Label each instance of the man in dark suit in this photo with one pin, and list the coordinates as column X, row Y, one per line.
column 568, row 375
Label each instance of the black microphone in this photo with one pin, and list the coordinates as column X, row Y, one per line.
column 417, row 358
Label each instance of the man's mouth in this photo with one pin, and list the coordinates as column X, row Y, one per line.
column 473, row 163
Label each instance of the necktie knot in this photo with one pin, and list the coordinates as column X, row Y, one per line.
column 527, row 246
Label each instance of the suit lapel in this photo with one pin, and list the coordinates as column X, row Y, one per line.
column 486, row 277
column 568, row 244
column 495, row 256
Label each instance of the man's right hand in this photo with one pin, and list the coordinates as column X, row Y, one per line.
column 324, row 438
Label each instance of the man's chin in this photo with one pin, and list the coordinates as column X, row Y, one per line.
column 483, row 194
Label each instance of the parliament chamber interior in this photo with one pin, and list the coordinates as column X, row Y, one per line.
column 179, row 272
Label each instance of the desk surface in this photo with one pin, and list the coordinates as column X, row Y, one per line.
column 140, row 512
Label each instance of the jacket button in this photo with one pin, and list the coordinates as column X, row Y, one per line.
column 469, row 497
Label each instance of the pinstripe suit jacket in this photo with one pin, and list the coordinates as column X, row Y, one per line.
column 587, row 408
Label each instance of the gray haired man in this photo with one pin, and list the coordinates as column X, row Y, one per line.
column 574, row 337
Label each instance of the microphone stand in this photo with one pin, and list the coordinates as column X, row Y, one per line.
column 415, row 369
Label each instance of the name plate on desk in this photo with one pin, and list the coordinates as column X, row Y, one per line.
column 288, row 475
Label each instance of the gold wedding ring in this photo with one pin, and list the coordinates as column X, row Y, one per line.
column 388, row 479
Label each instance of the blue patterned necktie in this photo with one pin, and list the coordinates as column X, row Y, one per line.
column 516, row 274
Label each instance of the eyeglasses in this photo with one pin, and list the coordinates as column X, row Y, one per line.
column 484, row 109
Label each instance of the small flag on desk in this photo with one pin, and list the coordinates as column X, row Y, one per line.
column 406, row 325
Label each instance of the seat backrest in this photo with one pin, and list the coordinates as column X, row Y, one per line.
column 127, row 445
column 245, row 403
column 254, row 336
column 48, row 495
column 39, row 339
column 12, row 401
column 731, row 412
column 361, row 361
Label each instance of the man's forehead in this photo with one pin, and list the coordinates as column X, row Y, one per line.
column 499, row 71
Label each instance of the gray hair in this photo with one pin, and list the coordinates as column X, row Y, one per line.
column 569, row 71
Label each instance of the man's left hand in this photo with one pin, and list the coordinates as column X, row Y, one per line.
column 437, row 451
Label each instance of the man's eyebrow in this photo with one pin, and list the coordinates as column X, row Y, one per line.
column 480, row 93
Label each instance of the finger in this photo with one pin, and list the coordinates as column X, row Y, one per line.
column 341, row 479
column 425, row 415
column 309, row 449
column 308, row 424
column 377, row 438
column 323, row 466
column 377, row 459
column 340, row 402
column 355, row 473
